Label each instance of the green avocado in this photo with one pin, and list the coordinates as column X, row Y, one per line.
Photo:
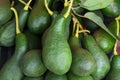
column 39, row 19
column 32, row 65
column 72, row 76
column 5, row 12
column 34, row 78
column 7, row 34
column 52, row 76
column 104, row 40
column 56, row 52
column 11, row 69
column 83, row 63
column 114, row 73
column 102, row 61
column 33, row 40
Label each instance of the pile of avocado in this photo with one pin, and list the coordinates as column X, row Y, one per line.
column 53, row 40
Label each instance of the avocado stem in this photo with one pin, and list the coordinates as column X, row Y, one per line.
column 49, row 11
column 74, row 24
column 117, row 22
column 77, row 31
column 23, row 2
column 13, row 3
column 69, row 9
column 16, row 20
column 76, row 13
column 27, row 5
column 117, row 33
column 115, row 48
column 66, row 3
column 77, row 24
column 84, row 31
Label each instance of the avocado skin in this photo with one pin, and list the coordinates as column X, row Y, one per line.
column 52, row 76
column 72, row 76
column 114, row 73
column 104, row 40
column 83, row 63
column 7, row 34
column 34, row 78
column 56, row 50
column 39, row 19
column 5, row 12
column 11, row 69
column 33, row 40
column 102, row 61
column 31, row 63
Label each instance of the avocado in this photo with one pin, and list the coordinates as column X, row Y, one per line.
column 114, row 73
column 32, row 65
column 11, row 69
column 52, row 76
column 104, row 40
column 72, row 76
column 56, row 52
column 83, row 63
column 7, row 34
column 34, row 78
column 5, row 12
column 39, row 19
column 33, row 40
column 102, row 61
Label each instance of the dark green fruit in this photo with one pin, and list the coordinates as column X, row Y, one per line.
column 32, row 65
column 113, row 9
column 114, row 73
column 5, row 12
column 7, row 34
column 7, row 31
column 52, row 76
column 102, row 61
column 56, row 51
column 83, row 63
column 34, row 78
column 57, row 5
column 74, row 41
column 39, row 18
column 23, row 17
column 55, row 14
column 33, row 40
column 11, row 69
column 72, row 76
column 112, row 26
column 104, row 40
column 115, row 63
